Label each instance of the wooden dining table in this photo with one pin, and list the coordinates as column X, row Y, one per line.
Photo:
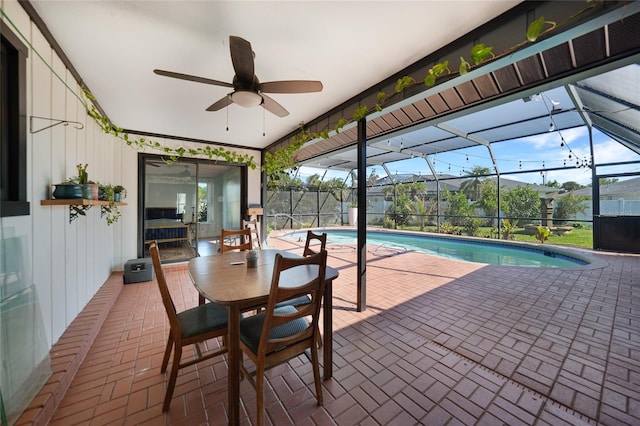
column 225, row 279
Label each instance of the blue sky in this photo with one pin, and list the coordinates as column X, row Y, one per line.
column 550, row 150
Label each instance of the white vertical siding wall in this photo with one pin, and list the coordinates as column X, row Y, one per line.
column 70, row 261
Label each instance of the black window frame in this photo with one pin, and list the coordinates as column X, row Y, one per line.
column 13, row 126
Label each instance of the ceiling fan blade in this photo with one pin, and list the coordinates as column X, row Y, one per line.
column 242, row 59
column 273, row 107
column 223, row 102
column 291, row 86
column 192, row 78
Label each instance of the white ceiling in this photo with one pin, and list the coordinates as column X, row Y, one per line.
column 349, row 46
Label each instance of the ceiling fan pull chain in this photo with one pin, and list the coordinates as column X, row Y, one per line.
column 227, row 116
column 264, row 132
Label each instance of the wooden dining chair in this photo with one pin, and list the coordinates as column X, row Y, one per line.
column 253, row 226
column 235, row 239
column 189, row 327
column 232, row 239
column 277, row 335
column 312, row 241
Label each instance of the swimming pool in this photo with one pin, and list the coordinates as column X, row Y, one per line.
column 491, row 252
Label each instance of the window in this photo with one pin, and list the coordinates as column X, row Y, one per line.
column 13, row 126
column 203, row 202
column 181, row 203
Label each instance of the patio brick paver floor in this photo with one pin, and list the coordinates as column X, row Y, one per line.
column 441, row 342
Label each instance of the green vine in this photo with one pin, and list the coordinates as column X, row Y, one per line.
column 282, row 159
column 172, row 154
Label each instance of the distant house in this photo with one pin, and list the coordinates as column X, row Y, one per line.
column 378, row 199
column 616, row 199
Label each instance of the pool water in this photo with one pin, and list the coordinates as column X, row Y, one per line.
column 492, row 253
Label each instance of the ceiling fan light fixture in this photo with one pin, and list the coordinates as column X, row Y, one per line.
column 246, row 98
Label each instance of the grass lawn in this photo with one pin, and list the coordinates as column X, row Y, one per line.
column 579, row 237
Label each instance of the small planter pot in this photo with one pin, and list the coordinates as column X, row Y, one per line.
column 67, row 192
column 352, row 215
column 117, row 197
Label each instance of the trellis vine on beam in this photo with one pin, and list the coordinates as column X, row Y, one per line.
column 172, row 153
column 281, row 160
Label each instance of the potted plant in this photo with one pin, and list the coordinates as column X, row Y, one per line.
column 119, row 192
column 89, row 188
column 69, row 189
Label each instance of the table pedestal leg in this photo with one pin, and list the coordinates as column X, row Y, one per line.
column 235, row 355
column 327, row 319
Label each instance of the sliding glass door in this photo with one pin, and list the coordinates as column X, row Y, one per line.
column 185, row 204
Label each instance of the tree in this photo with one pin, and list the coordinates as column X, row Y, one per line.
column 553, row 184
column 571, row 186
column 471, row 187
column 488, row 200
column 458, row 208
column 403, row 207
column 423, row 209
column 607, row 181
column 314, row 180
column 567, row 206
column 522, row 203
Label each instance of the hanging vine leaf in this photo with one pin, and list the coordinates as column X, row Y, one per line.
column 403, row 83
column 464, row 66
column 360, row 113
column 173, row 154
column 480, row 52
column 341, row 123
column 439, row 69
column 535, row 28
column 430, row 79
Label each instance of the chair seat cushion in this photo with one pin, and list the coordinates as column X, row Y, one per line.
column 202, row 319
column 251, row 328
column 296, row 301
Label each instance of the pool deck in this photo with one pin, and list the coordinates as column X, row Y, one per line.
column 441, row 342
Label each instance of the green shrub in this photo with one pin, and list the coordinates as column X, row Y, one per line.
column 471, row 226
column 447, row 228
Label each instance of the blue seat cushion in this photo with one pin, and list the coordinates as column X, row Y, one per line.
column 202, row 319
column 251, row 328
column 296, row 301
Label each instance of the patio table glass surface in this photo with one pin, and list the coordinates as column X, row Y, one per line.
column 224, row 280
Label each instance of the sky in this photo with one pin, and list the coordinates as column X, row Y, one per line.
column 546, row 151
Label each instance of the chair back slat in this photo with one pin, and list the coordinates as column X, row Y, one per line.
column 235, row 239
column 253, row 226
column 167, row 301
column 314, row 243
column 285, row 285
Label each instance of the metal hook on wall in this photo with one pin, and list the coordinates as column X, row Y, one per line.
column 76, row 124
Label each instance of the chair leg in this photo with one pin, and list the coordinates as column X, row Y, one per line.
column 319, row 337
column 316, row 374
column 167, row 353
column 201, row 300
column 259, row 379
column 172, row 378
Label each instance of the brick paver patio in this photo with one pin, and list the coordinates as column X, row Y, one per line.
column 441, row 342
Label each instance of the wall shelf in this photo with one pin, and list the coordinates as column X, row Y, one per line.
column 79, row 206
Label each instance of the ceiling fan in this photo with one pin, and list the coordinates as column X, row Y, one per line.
column 248, row 91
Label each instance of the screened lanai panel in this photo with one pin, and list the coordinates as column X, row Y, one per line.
column 418, row 136
column 622, row 84
column 387, row 157
column 537, row 105
column 623, row 113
